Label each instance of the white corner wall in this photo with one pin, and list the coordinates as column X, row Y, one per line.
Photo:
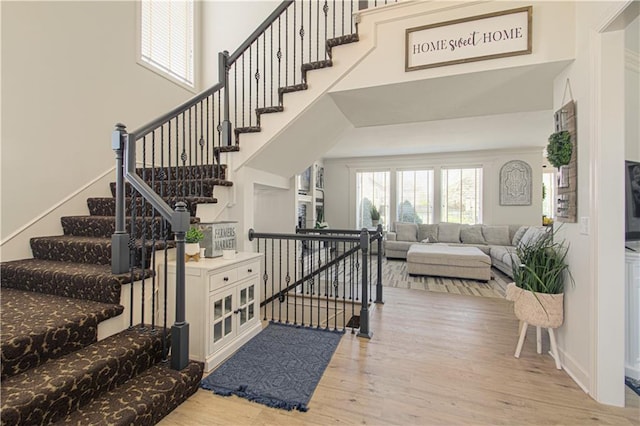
column 340, row 192
column 69, row 73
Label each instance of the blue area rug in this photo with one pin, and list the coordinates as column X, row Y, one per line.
column 280, row 367
column 633, row 384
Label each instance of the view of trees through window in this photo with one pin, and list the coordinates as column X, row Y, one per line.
column 372, row 188
column 462, row 195
column 415, row 196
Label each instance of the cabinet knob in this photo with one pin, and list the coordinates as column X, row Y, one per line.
column 249, row 270
column 225, row 279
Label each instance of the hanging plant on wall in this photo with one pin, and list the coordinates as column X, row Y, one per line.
column 559, row 149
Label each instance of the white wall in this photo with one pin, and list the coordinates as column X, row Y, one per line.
column 591, row 341
column 226, row 24
column 340, row 182
column 69, row 73
column 632, row 91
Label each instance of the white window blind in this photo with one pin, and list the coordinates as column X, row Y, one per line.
column 415, row 196
column 372, row 189
column 166, row 37
column 462, row 195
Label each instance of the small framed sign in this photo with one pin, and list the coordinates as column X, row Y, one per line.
column 478, row 38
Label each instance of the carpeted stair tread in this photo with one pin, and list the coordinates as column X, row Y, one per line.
column 269, row 109
column 316, row 65
column 91, row 250
column 67, row 279
column 105, row 226
column 106, row 206
column 292, row 88
column 338, row 41
column 54, row 389
column 37, row 327
column 143, row 400
column 178, row 188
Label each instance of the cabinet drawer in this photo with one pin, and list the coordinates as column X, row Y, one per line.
column 248, row 270
column 217, row 281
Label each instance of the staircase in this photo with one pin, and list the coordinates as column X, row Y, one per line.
column 53, row 368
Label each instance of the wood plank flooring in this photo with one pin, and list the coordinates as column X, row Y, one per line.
column 434, row 359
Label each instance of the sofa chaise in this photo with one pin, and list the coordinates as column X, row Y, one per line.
column 499, row 242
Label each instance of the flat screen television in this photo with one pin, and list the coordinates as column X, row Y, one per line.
column 632, row 204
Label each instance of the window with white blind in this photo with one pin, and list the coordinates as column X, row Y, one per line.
column 415, row 196
column 167, row 38
column 462, row 195
column 372, row 189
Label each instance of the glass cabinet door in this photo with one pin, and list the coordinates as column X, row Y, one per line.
column 221, row 318
column 247, row 303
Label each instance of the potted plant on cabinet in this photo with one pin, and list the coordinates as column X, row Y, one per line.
column 375, row 216
column 192, row 243
column 539, row 272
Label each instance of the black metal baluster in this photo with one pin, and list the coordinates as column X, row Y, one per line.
column 165, row 276
column 295, row 277
column 288, row 281
column 294, row 44
column 235, row 94
column 132, row 257
column 250, row 84
column 264, row 65
column 143, row 246
column 207, row 131
column 334, row 18
column 264, row 275
column 272, row 280
column 201, row 142
column 243, row 84
column 183, row 157
column 282, row 295
column 301, row 38
column 187, row 172
column 176, row 181
column 154, row 233
column 327, row 284
column 351, row 19
column 310, row 29
column 342, row 4
column 325, row 9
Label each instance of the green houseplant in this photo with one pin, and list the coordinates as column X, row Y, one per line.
column 192, row 239
column 559, row 149
column 375, row 215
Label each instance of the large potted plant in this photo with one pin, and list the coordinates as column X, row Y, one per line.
column 540, row 272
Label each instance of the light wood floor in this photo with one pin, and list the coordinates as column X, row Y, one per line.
column 434, row 359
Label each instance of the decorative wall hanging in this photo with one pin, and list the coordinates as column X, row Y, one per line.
column 478, row 38
column 515, row 184
column 567, row 176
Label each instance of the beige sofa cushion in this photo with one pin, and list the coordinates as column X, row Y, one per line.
column 518, row 235
column 449, row 232
column 496, row 235
column 472, row 234
column 532, row 235
column 428, row 232
column 406, row 231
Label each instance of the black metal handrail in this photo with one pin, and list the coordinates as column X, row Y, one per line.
column 346, row 252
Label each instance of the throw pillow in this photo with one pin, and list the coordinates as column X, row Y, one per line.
column 518, row 235
column 532, row 235
column 449, row 232
column 472, row 234
column 428, row 232
column 496, row 235
column 406, row 231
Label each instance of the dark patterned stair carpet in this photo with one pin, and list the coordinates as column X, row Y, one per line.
column 105, row 226
column 37, row 327
column 181, row 188
column 143, row 400
column 107, row 206
column 77, row 280
column 55, row 389
column 184, row 172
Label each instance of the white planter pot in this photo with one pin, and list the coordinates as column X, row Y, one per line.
column 192, row 248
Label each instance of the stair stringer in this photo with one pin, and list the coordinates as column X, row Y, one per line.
column 273, row 135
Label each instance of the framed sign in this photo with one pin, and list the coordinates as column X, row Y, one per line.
column 494, row 35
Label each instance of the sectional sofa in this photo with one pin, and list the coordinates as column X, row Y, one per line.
column 497, row 241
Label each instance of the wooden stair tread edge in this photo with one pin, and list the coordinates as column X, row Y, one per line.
column 144, row 399
column 35, row 396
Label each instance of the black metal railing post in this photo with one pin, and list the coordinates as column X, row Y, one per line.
column 180, row 329
column 364, row 303
column 379, row 280
column 223, row 75
column 120, row 239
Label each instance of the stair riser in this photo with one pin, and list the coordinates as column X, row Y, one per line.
column 105, row 227
column 59, row 283
column 187, row 172
column 107, row 207
column 195, row 188
column 79, row 252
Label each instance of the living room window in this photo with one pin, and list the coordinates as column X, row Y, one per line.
column 166, row 39
column 462, row 195
column 548, row 196
column 372, row 189
column 415, row 196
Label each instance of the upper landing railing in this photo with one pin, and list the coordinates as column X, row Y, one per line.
column 175, row 159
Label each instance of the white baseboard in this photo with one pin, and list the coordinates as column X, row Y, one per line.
column 574, row 371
